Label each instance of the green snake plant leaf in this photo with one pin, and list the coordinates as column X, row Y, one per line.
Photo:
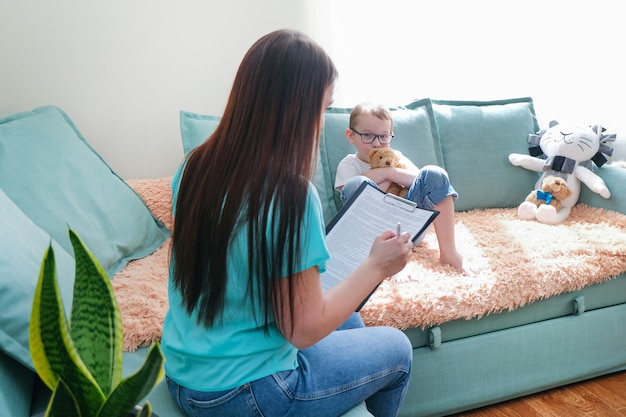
column 145, row 411
column 96, row 323
column 62, row 403
column 136, row 386
column 52, row 349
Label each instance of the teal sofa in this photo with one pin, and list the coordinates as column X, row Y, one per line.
column 466, row 364
column 457, row 365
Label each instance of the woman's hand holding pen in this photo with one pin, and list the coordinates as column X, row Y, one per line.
column 390, row 252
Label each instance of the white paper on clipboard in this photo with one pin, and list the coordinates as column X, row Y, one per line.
column 351, row 233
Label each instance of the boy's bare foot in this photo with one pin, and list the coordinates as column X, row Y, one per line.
column 456, row 261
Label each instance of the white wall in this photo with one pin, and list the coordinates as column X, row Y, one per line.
column 123, row 69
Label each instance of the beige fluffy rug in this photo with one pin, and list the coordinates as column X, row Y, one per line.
column 518, row 261
column 141, row 287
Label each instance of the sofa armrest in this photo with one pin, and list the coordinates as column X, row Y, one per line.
column 615, row 179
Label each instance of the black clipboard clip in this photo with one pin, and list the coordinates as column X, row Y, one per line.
column 399, row 202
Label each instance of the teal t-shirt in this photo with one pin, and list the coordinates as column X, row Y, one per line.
column 237, row 350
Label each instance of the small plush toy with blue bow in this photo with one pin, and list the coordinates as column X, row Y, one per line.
column 566, row 152
column 553, row 190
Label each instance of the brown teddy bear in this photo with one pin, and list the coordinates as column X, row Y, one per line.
column 553, row 190
column 387, row 157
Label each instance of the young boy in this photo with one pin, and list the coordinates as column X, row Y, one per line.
column 371, row 126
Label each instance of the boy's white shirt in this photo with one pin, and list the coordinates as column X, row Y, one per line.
column 351, row 166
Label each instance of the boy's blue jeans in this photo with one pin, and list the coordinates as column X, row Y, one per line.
column 352, row 364
column 429, row 188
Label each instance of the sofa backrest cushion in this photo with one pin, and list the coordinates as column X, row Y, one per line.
column 476, row 139
column 196, row 128
column 22, row 247
column 56, row 178
column 16, row 387
column 614, row 178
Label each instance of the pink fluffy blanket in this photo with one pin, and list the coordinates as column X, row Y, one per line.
column 518, row 262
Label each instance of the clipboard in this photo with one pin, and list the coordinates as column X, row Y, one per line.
column 350, row 234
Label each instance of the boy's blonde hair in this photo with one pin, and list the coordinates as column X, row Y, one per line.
column 378, row 110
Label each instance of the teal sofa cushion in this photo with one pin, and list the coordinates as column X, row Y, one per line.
column 476, row 139
column 415, row 136
column 56, row 178
column 614, row 179
column 16, row 387
column 22, row 247
column 196, row 128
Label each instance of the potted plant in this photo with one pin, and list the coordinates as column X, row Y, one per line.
column 81, row 360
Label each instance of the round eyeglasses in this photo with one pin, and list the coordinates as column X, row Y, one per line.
column 368, row 138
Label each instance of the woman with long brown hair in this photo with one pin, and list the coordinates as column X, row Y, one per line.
column 249, row 331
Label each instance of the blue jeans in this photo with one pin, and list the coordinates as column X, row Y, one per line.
column 353, row 364
column 429, row 188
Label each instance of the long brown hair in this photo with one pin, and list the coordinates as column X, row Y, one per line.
column 252, row 172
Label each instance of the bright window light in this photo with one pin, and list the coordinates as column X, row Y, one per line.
column 565, row 55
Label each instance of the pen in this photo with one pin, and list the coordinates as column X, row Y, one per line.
column 398, row 229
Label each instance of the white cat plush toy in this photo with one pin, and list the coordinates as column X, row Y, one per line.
column 567, row 152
